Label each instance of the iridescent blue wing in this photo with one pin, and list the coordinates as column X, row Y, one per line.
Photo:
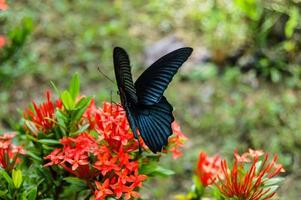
column 123, row 76
column 152, row 83
column 154, row 123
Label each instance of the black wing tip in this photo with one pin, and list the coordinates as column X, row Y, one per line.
column 119, row 50
column 189, row 50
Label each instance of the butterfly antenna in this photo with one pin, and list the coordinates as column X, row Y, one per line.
column 105, row 75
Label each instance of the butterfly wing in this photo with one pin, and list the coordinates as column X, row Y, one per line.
column 123, row 76
column 152, row 83
column 154, row 123
column 125, row 85
column 154, row 113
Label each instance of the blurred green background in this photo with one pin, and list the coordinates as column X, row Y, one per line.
column 239, row 89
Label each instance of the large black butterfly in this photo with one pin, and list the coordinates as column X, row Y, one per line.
column 146, row 108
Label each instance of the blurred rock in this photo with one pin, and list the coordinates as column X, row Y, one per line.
column 170, row 43
column 161, row 47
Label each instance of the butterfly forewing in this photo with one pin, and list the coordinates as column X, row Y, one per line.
column 123, row 75
column 152, row 83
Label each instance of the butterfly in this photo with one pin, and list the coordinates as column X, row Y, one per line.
column 146, row 108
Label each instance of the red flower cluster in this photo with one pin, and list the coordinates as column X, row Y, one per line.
column 9, row 153
column 108, row 163
column 208, row 168
column 113, row 127
column 3, row 5
column 249, row 175
column 116, row 158
column 42, row 118
column 74, row 155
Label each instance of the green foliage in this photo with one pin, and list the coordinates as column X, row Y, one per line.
column 17, row 37
column 7, row 178
column 152, row 169
column 15, row 186
column 10, row 54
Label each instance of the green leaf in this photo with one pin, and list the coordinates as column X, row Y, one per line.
column 32, row 127
column 34, row 156
column 80, row 130
column 61, row 118
column 160, row 171
column 292, row 23
column 82, row 105
column 46, row 147
column 30, row 137
column 273, row 189
column 32, row 194
column 48, row 141
column 197, row 182
column 76, row 181
column 273, row 181
column 67, row 100
column 152, row 169
column 74, row 86
column 23, row 196
column 45, row 173
column 8, row 179
column 17, row 177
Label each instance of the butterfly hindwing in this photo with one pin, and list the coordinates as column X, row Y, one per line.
column 123, row 75
column 152, row 83
column 154, row 123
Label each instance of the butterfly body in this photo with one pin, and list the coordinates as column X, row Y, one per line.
column 147, row 110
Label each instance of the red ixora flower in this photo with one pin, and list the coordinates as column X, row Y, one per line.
column 249, row 175
column 2, row 41
column 176, row 141
column 9, row 153
column 208, row 168
column 3, row 5
column 41, row 119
